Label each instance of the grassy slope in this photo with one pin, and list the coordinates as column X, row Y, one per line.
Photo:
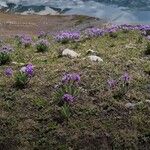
column 30, row 120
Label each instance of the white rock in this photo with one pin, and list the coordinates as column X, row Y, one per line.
column 16, row 63
column 70, row 53
column 130, row 105
column 147, row 101
column 90, row 51
column 95, row 58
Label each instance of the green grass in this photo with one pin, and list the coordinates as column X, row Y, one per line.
column 29, row 118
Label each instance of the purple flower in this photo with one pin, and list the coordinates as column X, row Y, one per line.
column 68, row 98
column 66, row 78
column 6, row 49
column 125, row 77
column 42, row 34
column 74, row 77
column 94, row 32
column 29, row 70
column 42, row 45
column 148, row 37
column 25, row 40
column 111, row 83
column 9, row 72
column 64, row 36
column 42, row 42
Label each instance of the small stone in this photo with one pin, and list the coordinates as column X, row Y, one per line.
column 16, row 63
column 130, row 105
column 70, row 53
column 95, row 58
column 147, row 101
column 92, row 52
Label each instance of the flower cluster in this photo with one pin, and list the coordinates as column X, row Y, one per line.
column 42, row 34
column 126, row 78
column 6, row 49
column 112, row 31
column 23, row 76
column 67, row 91
column 68, row 98
column 70, row 84
column 24, row 40
column 66, row 36
column 42, row 45
column 120, row 86
column 73, row 77
column 9, row 72
column 112, row 28
column 28, row 70
column 94, row 32
column 112, row 83
column 71, row 80
column 5, row 54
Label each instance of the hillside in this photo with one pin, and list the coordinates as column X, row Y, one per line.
column 104, row 71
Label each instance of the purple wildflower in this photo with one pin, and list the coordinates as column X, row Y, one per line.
column 6, row 49
column 25, row 40
column 64, row 36
column 125, row 77
column 42, row 34
column 42, row 42
column 94, row 32
column 8, row 72
column 42, row 45
column 112, row 83
column 74, row 77
column 68, row 98
column 66, row 78
column 29, row 70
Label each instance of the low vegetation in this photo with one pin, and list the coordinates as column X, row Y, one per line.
column 51, row 102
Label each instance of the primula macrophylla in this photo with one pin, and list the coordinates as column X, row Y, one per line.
column 126, row 78
column 121, row 86
column 24, row 40
column 68, row 98
column 73, row 77
column 28, row 70
column 94, row 32
column 112, row 83
column 112, row 31
column 6, row 49
column 42, row 34
column 23, row 77
column 66, row 36
column 66, row 92
column 9, row 72
column 42, row 45
column 5, row 54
